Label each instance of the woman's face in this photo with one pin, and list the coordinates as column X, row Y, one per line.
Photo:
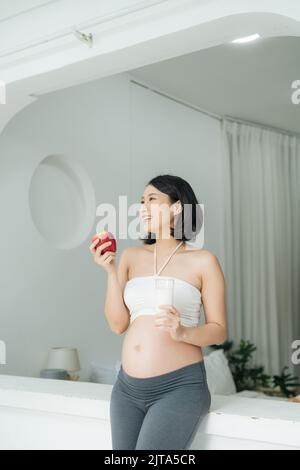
column 157, row 212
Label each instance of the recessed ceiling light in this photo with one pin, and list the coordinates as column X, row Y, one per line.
column 246, row 39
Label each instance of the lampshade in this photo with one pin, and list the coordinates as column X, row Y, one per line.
column 64, row 358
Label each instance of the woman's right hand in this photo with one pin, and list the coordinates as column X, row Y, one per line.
column 106, row 260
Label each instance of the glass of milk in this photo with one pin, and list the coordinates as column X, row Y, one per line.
column 164, row 292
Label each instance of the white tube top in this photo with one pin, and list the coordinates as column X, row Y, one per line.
column 140, row 296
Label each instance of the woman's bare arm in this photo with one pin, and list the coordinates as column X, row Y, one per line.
column 213, row 299
column 115, row 310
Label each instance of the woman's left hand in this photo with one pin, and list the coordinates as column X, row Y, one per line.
column 169, row 320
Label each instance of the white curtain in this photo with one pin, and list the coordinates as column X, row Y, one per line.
column 262, row 240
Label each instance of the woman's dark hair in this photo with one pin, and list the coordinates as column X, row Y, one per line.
column 190, row 220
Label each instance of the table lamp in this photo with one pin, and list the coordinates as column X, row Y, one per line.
column 64, row 358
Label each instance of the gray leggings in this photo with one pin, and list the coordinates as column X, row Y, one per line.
column 159, row 412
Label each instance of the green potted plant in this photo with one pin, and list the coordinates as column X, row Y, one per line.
column 248, row 376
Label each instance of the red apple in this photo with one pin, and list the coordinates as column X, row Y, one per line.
column 104, row 237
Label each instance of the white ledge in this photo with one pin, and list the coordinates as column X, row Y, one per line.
column 56, row 396
column 234, row 420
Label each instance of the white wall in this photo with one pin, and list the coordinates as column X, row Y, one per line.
column 122, row 135
column 171, row 137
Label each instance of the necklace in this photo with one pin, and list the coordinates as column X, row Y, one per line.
column 167, row 260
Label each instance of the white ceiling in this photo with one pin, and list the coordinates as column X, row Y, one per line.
column 11, row 8
column 250, row 81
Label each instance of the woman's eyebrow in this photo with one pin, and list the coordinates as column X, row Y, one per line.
column 150, row 194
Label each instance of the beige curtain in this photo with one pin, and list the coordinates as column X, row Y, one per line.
column 262, row 240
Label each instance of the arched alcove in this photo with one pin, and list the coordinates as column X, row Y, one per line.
column 62, row 201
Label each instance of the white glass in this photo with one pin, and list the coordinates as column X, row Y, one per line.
column 164, row 292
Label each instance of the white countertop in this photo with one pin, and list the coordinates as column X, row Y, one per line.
column 233, row 415
column 60, row 396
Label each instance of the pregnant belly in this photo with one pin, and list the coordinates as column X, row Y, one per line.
column 148, row 351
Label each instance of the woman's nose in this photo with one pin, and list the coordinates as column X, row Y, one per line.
column 146, row 207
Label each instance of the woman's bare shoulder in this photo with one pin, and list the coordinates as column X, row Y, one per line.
column 208, row 261
column 134, row 250
column 206, row 256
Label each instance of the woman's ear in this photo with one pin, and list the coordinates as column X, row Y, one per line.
column 177, row 208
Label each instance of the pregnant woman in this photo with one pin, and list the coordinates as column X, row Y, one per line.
column 161, row 395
